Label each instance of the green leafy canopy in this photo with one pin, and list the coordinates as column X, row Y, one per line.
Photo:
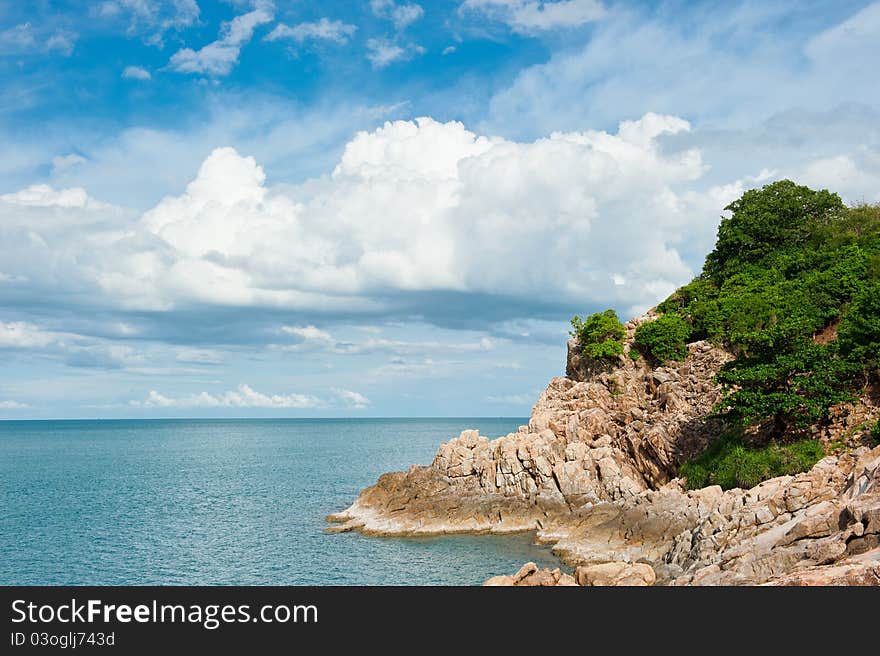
column 792, row 289
column 600, row 335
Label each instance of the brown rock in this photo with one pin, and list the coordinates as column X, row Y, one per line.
column 608, row 574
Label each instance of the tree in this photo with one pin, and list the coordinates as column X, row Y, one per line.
column 762, row 220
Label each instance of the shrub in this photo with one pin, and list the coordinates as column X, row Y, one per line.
column 600, row 335
column 794, row 389
column 664, row 338
column 875, row 433
column 730, row 463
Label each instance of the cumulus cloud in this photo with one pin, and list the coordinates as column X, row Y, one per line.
column 247, row 397
column 401, row 14
column 529, row 16
column 382, row 52
column 324, row 29
column 423, row 220
column 219, row 57
column 243, row 397
column 136, row 73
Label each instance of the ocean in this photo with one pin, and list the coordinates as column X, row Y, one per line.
column 226, row 502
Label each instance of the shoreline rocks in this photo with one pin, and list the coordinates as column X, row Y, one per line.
column 593, row 474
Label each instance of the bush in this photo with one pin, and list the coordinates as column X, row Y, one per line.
column 730, row 463
column 875, row 433
column 664, row 338
column 600, row 335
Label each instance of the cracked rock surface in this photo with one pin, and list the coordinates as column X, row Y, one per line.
column 593, row 473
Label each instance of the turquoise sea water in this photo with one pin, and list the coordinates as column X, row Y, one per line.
column 169, row 502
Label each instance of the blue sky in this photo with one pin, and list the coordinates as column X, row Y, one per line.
column 293, row 208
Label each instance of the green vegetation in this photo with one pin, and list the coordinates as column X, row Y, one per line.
column 792, row 289
column 600, row 335
column 664, row 338
column 875, row 434
column 730, row 463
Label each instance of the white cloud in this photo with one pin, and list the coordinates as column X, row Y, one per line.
column 383, row 52
column 844, row 175
column 448, row 50
column 41, row 195
column 63, row 41
column 633, row 62
column 150, row 18
column 325, row 30
column 353, row 400
column 416, row 210
column 529, row 16
column 23, row 39
column 17, row 39
column 136, row 73
column 23, row 335
column 70, row 348
column 242, row 397
column 401, row 14
column 309, row 333
column 220, row 56
column 12, row 405
column 63, row 162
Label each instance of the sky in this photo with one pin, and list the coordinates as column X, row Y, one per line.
column 248, row 208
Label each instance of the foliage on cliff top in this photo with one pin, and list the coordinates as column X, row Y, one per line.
column 600, row 335
column 793, row 288
column 664, row 338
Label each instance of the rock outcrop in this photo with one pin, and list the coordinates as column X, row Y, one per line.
column 593, row 474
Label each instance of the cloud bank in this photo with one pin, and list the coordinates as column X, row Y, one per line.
column 411, row 209
column 246, row 397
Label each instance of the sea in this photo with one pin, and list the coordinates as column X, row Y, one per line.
column 225, row 502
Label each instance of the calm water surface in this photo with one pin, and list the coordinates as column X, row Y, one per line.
column 224, row 502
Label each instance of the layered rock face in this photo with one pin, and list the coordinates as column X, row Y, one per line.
column 593, row 472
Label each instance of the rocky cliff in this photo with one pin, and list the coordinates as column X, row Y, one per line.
column 593, row 473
